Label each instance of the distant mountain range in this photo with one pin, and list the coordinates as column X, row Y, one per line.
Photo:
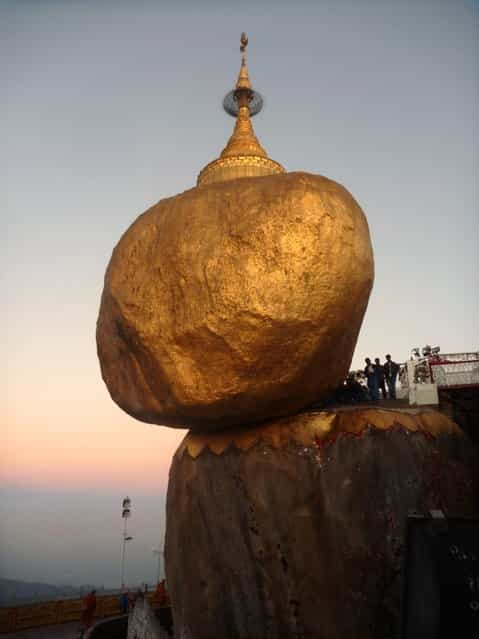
column 13, row 592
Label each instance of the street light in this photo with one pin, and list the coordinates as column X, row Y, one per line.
column 156, row 550
column 126, row 514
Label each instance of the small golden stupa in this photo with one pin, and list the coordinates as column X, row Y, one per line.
column 243, row 156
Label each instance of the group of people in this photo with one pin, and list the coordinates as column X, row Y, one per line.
column 128, row 599
column 126, row 603
column 378, row 376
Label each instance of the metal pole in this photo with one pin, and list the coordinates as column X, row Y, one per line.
column 123, row 554
column 159, row 567
column 156, row 550
column 125, row 513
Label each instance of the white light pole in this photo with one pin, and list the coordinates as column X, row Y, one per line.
column 156, row 550
column 126, row 514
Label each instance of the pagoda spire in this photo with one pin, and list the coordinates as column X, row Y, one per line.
column 243, row 155
column 243, row 140
column 243, row 78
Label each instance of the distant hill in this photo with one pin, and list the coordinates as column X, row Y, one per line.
column 14, row 592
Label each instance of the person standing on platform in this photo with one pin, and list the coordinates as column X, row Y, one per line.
column 371, row 379
column 161, row 592
column 391, row 370
column 89, row 611
column 124, row 602
column 379, row 370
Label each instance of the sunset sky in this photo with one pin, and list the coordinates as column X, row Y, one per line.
column 110, row 106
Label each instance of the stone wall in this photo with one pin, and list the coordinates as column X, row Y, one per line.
column 144, row 624
column 462, row 406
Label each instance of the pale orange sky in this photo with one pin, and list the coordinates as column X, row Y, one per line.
column 63, row 429
column 102, row 450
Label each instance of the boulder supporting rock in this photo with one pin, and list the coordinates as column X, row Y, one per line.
column 296, row 528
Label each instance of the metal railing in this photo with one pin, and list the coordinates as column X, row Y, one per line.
column 455, row 372
column 48, row 613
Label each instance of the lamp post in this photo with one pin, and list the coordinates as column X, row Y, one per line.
column 156, row 550
column 126, row 514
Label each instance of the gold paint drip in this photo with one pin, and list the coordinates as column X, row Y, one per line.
column 243, row 156
column 317, row 428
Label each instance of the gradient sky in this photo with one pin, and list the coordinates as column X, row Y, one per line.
column 109, row 106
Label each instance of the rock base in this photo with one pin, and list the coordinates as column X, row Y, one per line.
column 296, row 528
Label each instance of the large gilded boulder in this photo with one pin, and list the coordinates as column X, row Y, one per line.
column 235, row 302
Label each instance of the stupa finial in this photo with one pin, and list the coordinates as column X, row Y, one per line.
column 244, row 44
column 243, row 78
column 243, row 155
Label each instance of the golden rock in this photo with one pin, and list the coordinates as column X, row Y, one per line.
column 235, row 302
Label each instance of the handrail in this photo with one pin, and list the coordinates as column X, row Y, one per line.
column 48, row 613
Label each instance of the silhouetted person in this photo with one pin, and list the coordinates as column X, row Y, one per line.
column 356, row 392
column 161, row 592
column 371, row 379
column 391, row 370
column 89, row 611
column 379, row 370
column 124, row 602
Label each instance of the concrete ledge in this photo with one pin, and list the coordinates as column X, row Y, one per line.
column 113, row 628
